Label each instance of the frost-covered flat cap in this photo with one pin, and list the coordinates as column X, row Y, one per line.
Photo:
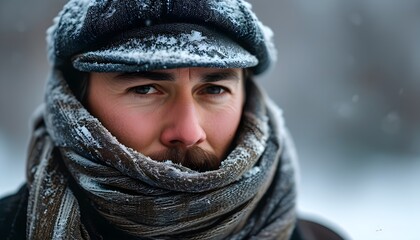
column 139, row 35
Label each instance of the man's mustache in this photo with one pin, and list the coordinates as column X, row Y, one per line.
column 194, row 158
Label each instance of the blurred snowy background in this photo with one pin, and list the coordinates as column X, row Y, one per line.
column 347, row 78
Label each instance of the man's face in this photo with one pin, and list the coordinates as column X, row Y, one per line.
column 187, row 115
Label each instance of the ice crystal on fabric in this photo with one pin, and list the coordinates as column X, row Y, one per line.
column 229, row 8
column 75, row 13
column 193, row 47
column 268, row 35
column 50, row 39
column 252, row 172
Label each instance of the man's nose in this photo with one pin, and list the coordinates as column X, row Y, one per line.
column 183, row 125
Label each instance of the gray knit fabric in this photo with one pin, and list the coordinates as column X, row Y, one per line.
column 89, row 25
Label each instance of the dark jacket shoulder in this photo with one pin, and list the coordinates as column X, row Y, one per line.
column 13, row 210
column 309, row 230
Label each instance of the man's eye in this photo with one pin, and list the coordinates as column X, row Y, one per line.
column 213, row 90
column 146, row 89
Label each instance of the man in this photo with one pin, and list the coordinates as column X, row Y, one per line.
column 153, row 128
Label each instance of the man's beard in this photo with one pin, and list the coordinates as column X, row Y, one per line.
column 194, row 158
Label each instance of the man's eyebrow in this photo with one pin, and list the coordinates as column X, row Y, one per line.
column 157, row 76
column 160, row 76
column 219, row 76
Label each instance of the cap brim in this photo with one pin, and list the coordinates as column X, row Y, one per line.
column 166, row 46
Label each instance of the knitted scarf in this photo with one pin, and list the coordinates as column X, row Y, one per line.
column 74, row 159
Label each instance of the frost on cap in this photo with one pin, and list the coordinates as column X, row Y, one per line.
column 166, row 46
column 88, row 25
